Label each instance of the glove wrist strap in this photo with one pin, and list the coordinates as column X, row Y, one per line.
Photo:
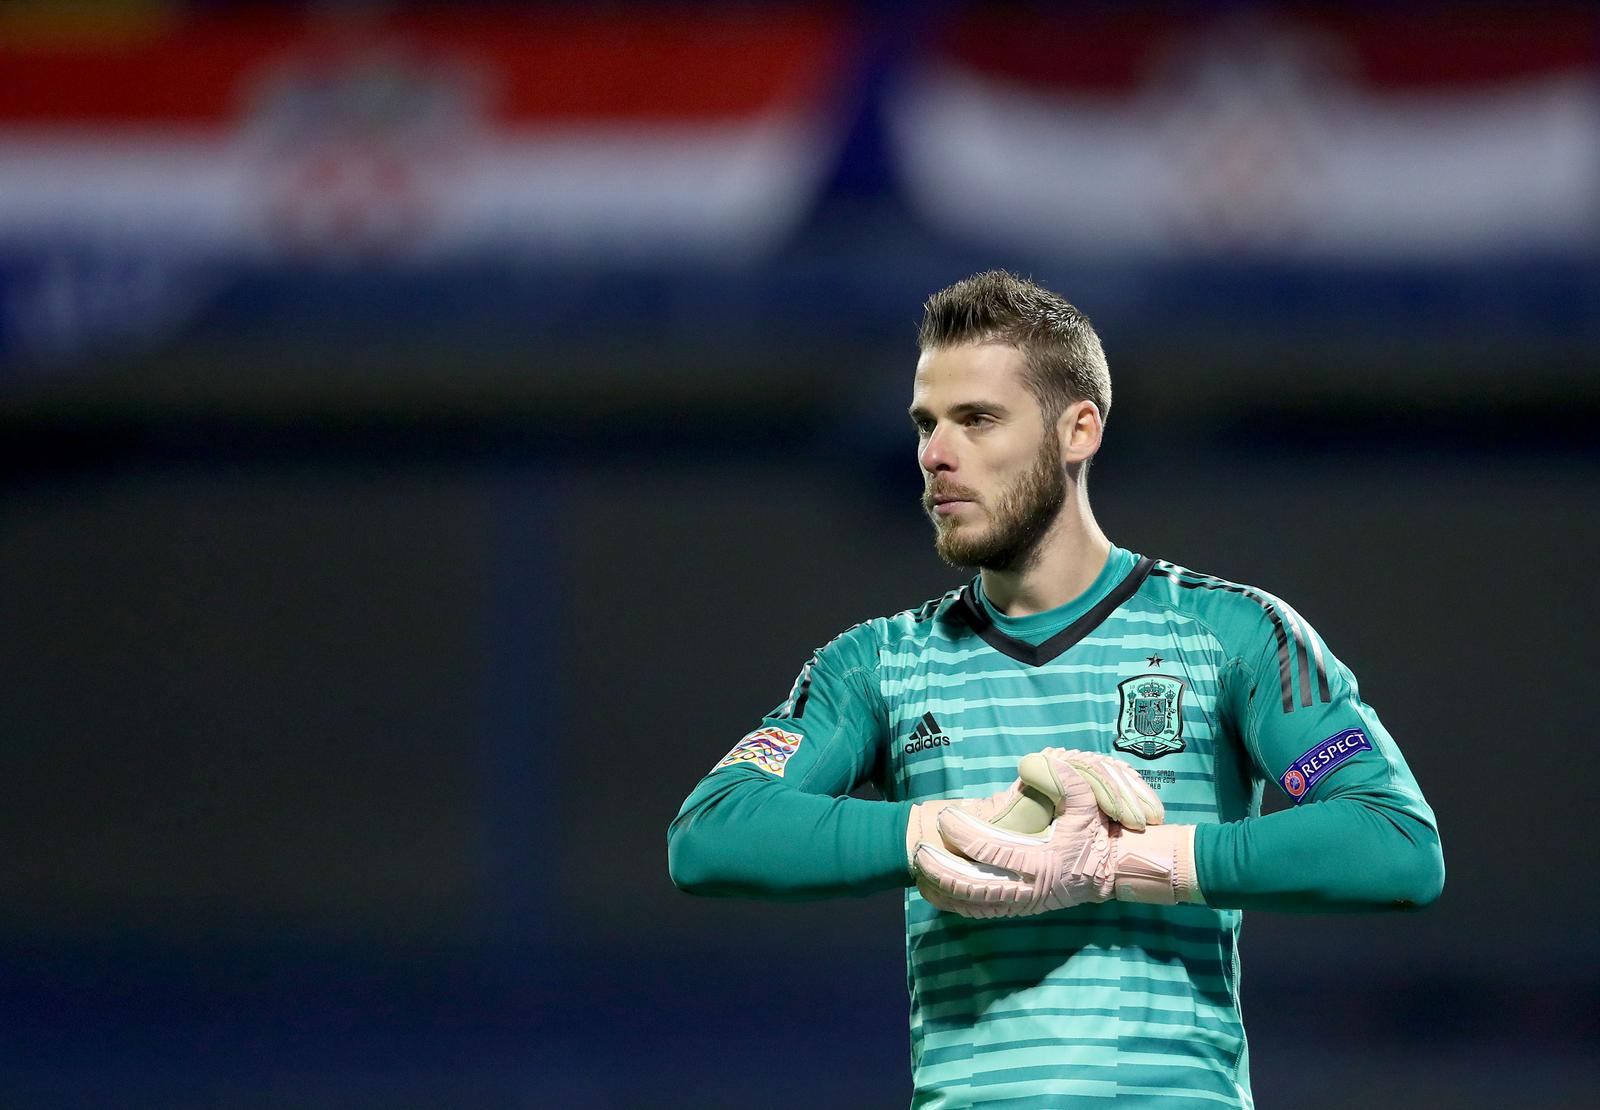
column 922, row 825
column 1157, row 866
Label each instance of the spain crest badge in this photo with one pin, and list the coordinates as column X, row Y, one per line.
column 1150, row 723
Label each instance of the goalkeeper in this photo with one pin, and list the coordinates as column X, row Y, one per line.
column 1073, row 748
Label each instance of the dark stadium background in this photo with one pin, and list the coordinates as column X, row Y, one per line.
column 364, row 618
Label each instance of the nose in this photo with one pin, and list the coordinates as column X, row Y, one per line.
column 936, row 453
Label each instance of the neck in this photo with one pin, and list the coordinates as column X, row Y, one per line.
column 1067, row 561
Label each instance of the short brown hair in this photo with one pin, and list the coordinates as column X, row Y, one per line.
column 1059, row 346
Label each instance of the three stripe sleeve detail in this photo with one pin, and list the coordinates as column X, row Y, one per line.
column 794, row 707
column 1305, row 656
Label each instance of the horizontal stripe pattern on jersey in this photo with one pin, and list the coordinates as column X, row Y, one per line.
column 1095, row 1001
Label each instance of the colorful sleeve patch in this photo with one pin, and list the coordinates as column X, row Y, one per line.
column 767, row 748
column 1310, row 768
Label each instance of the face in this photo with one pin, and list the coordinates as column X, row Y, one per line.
column 993, row 473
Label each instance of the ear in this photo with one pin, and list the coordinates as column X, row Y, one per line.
column 1079, row 429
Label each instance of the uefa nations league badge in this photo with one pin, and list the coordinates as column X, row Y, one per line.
column 1150, row 724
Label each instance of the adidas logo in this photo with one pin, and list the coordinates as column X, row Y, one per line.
column 927, row 734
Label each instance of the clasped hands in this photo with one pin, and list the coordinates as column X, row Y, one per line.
column 1049, row 840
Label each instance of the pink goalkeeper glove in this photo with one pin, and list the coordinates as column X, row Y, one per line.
column 1015, row 807
column 1021, row 865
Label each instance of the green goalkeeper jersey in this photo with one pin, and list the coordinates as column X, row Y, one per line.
column 1210, row 689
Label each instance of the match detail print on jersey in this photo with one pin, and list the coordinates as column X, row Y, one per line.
column 1285, row 623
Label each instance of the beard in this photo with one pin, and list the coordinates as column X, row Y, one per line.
column 1018, row 520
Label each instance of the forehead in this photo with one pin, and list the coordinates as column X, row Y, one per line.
column 949, row 376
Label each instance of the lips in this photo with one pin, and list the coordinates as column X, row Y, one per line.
column 947, row 501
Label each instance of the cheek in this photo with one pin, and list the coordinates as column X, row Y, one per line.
column 1013, row 466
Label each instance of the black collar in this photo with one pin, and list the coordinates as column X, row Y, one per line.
column 973, row 612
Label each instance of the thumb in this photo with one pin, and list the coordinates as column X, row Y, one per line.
column 1057, row 782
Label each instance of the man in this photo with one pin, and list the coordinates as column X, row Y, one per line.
column 1071, row 933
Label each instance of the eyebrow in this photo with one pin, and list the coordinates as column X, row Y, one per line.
column 966, row 408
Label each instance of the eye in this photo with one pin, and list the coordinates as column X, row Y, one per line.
column 978, row 420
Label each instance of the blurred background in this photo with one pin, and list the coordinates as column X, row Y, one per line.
column 431, row 435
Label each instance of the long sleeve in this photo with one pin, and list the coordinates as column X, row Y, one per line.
column 1359, row 834
column 1351, row 853
column 770, row 820
column 744, row 836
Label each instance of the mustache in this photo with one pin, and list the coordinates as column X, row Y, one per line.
column 961, row 492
